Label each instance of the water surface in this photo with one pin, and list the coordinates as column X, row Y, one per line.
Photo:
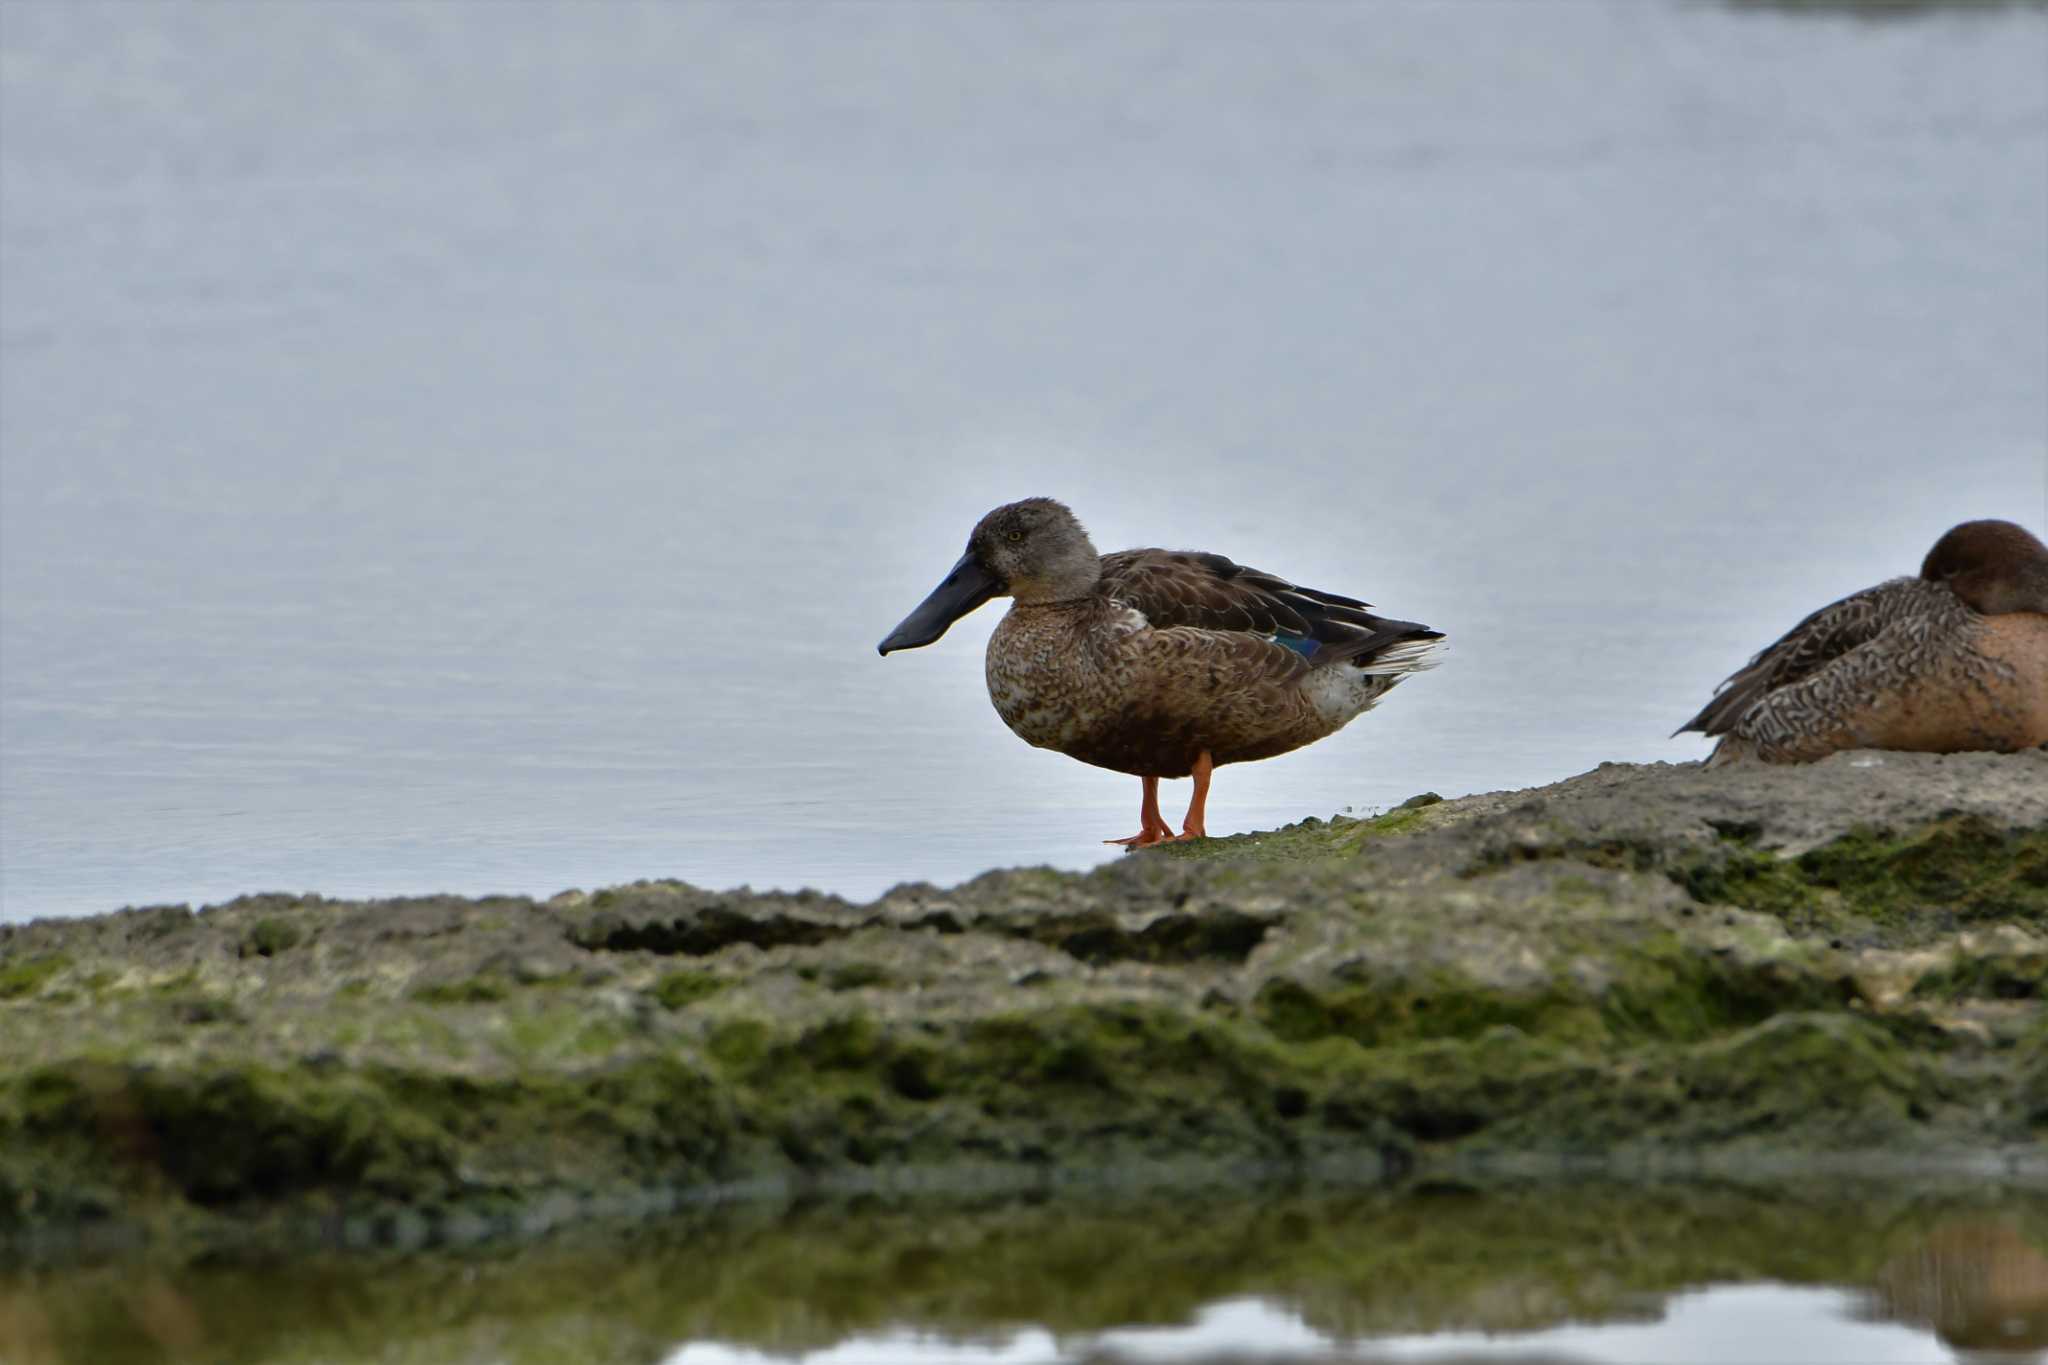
column 1545, row 1273
column 476, row 447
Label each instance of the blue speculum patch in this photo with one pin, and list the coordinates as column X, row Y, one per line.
column 1300, row 644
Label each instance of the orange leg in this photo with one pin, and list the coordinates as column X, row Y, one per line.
column 1156, row 830
column 1191, row 828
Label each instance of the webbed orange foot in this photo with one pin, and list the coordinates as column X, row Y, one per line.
column 1153, row 828
column 1192, row 828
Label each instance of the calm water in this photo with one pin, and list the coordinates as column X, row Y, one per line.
column 1531, row 1276
column 477, row 446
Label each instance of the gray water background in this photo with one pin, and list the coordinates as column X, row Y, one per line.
column 477, row 446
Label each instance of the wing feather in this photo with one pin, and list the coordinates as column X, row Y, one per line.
column 1211, row 592
column 1804, row 650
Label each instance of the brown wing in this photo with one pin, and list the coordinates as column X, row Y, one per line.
column 1804, row 650
column 1210, row 592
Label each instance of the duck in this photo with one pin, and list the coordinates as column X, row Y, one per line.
column 1160, row 663
column 1955, row 659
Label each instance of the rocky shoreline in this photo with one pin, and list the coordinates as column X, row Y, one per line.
column 1643, row 969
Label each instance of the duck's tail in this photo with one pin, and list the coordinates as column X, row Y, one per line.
column 1379, row 647
column 1409, row 654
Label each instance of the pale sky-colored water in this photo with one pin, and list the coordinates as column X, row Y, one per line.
column 477, row 447
column 1752, row 1324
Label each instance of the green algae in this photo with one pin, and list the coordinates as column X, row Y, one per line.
column 1668, row 992
column 2031, row 1093
column 476, row 990
column 28, row 975
column 203, row 1007
column 1122, row 1084
column 1100, row 938
column 1989, row 975
column 269, row 936
column 680, row 990
column 855, row 976
column 1441, row 1007
column 1832, row 1071
column 1883, row 886
column 1338, row 837
column 215, row 1138
column 1874, row 885
column 251, row 1139
column 1961, row 865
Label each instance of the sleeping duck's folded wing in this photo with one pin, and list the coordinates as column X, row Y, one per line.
column 1808, row 647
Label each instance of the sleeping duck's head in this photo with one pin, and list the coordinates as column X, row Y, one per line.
column 1034, row 551
column 1994, row 566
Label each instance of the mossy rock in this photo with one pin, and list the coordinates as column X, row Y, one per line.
column 1659, row 964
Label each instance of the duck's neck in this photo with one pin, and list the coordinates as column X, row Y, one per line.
column 1072, row 578
column 1071, row 607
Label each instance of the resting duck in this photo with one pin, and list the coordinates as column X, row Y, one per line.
column 1954, row 659
column 1160, row 663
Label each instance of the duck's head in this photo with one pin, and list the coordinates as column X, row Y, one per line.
column 1994, row 566
column 1034, row 551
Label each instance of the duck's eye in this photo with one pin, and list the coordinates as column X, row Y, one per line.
column 1013, row 536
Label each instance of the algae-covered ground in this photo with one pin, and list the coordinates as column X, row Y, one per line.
column 1642, row 969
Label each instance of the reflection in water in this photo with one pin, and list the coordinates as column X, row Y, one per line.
column 1535, row 1273
column 1980, row 1285
column 1775, row 1323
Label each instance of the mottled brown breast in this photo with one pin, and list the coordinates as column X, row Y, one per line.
column 1056, row 676
column 1096, row 683
column 2019, row 641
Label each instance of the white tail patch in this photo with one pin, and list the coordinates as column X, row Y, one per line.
column 1409, row 656
column 1339, row 694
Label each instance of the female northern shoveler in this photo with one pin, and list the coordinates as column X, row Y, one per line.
column 1160, row 663
column 1954, row 659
